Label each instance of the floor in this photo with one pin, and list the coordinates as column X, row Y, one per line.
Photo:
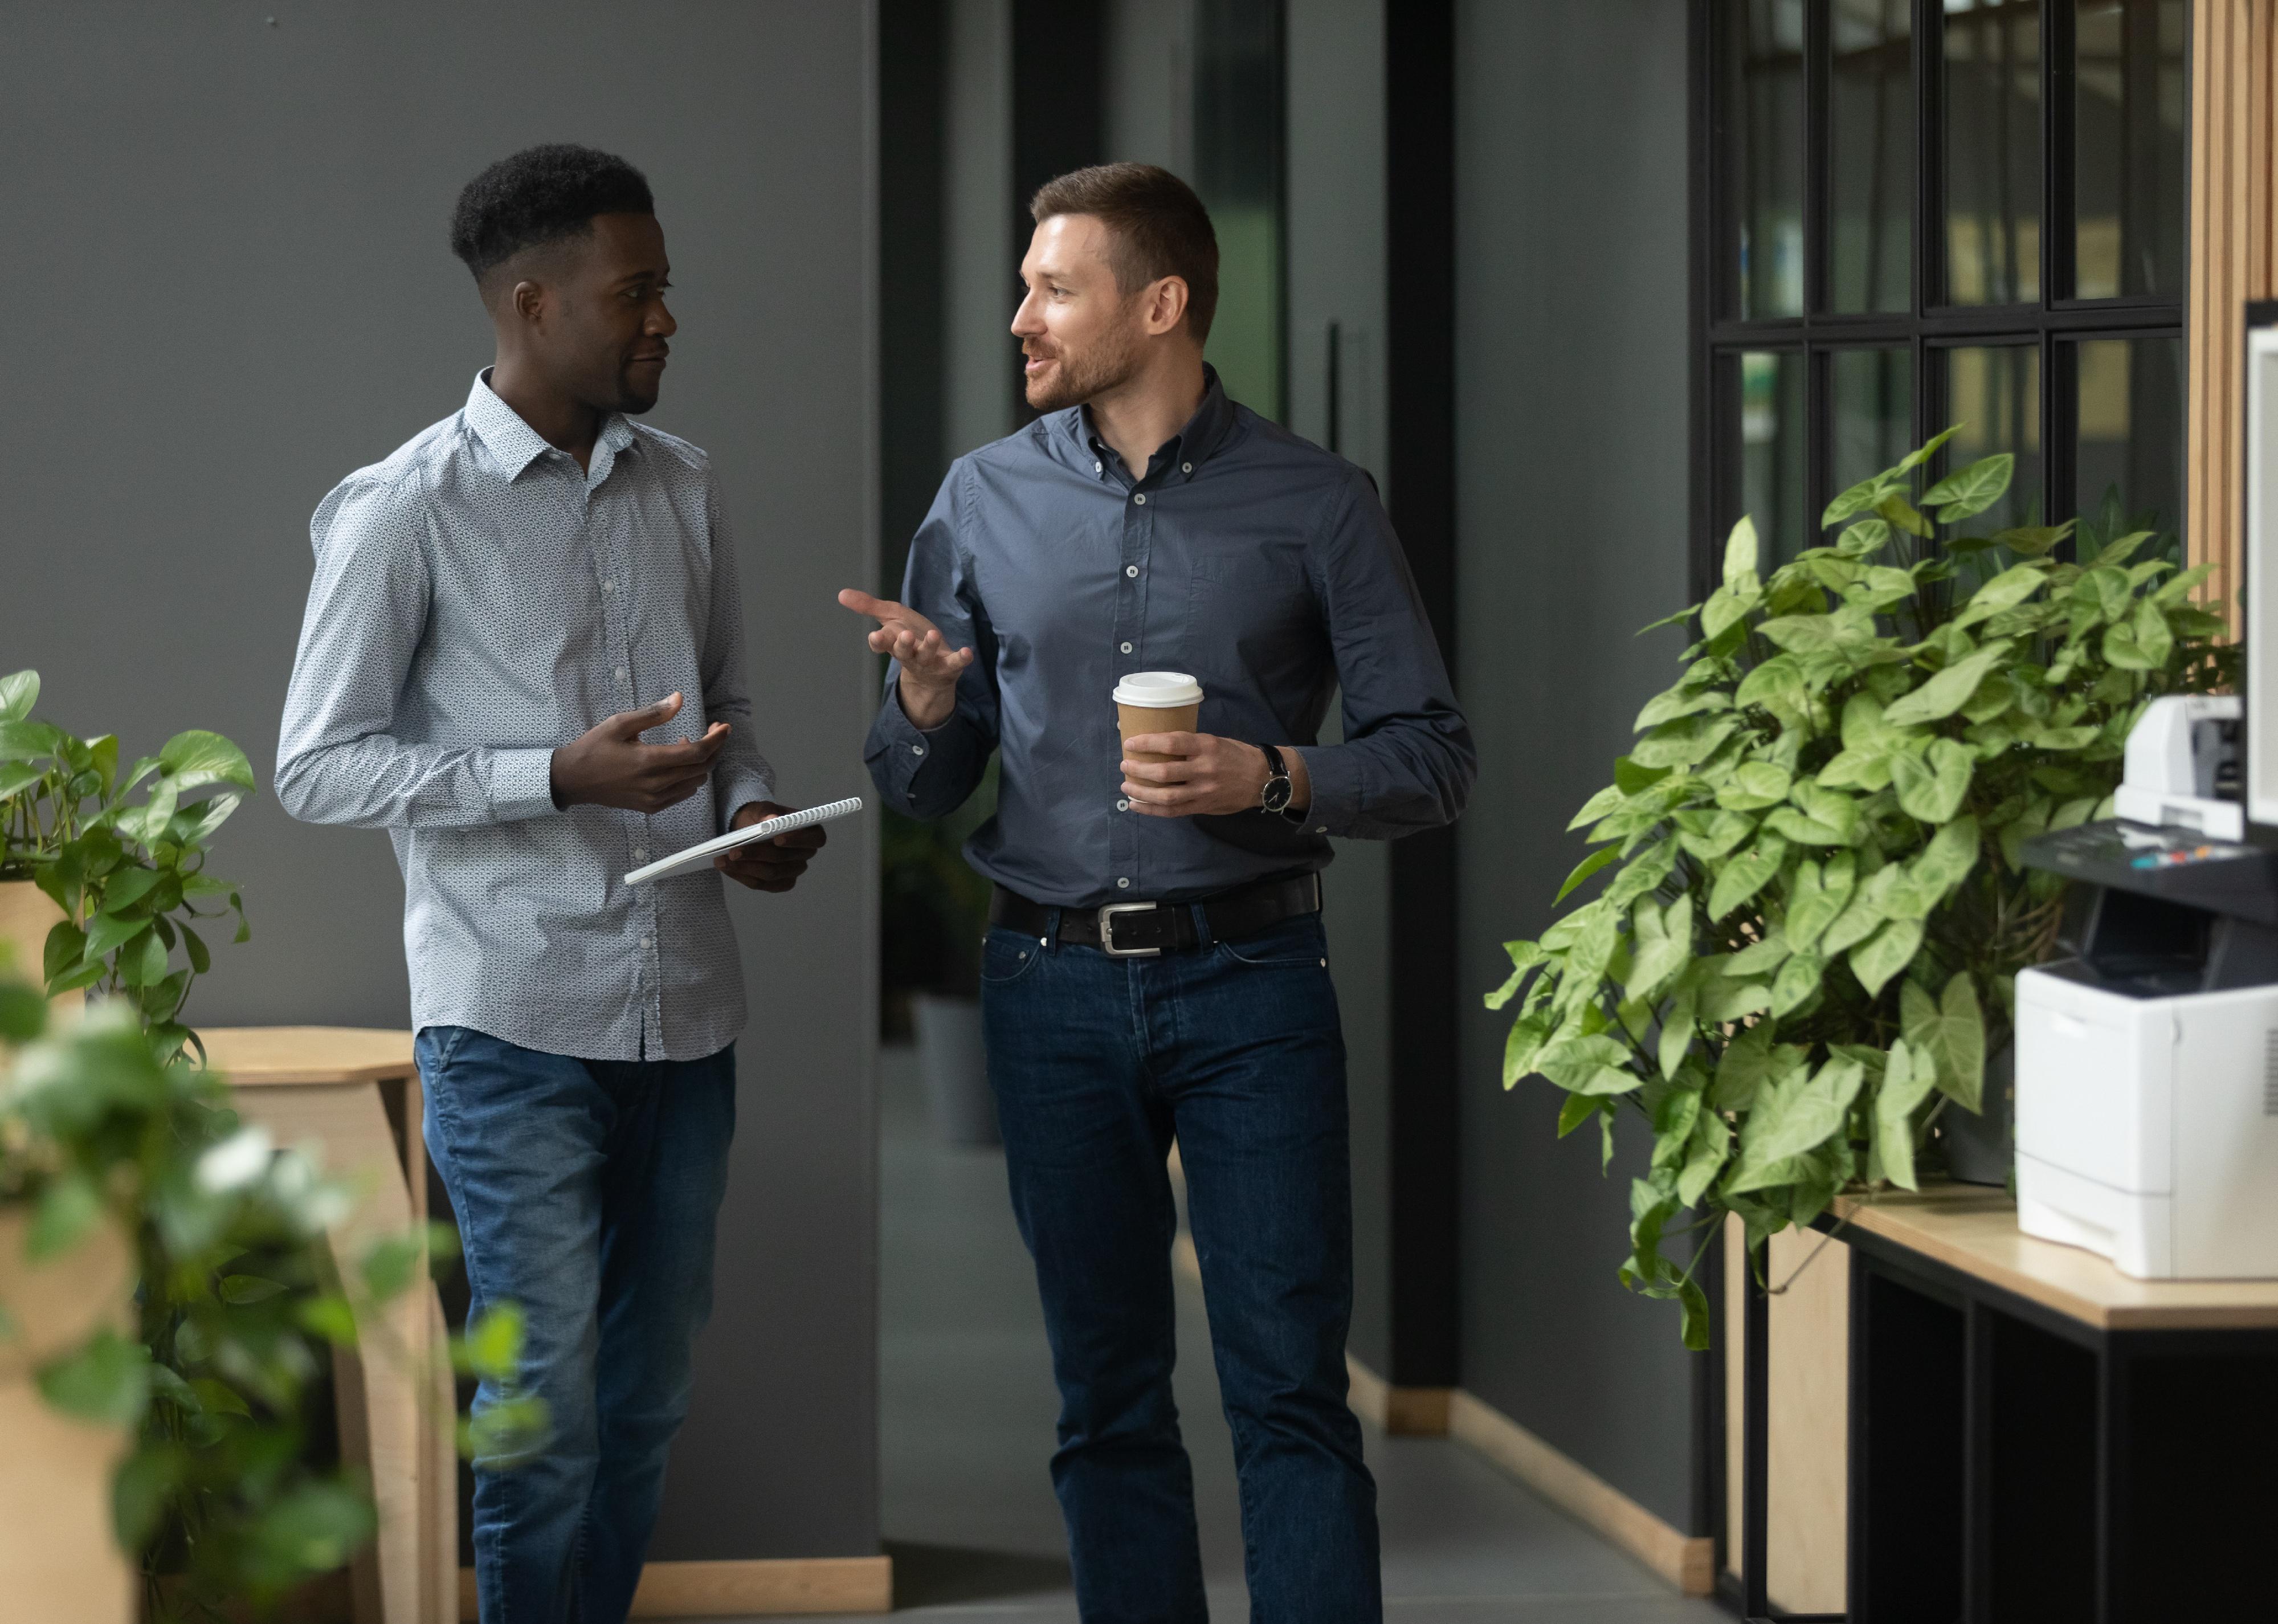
column 968, row 1404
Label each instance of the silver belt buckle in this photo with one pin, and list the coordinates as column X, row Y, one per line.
column 1107, row 931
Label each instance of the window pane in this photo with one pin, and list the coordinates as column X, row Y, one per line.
column 2133, row 178
column 1871, row 132
column 1765, row 164
column 1992, row 152
column 1772, row 452
column 2131, row 438
column 1874, row 412
column 1995, row 393
column 1237, row 131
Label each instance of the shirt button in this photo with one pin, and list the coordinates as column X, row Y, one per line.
column 641, row 853
column 1323, row 828
column 917, row 749
column 1141, row 498
column 647, row 942
column 1186, row 468
column 1126, row 648
column 1123, row 806
column 623, row 675
column 1130, row 569
column 1099, row 468
column 1123, row 885
column 608, row 586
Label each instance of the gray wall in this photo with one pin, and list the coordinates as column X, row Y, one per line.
column 226, row 248
column 1570, row 385
column 1336, row 273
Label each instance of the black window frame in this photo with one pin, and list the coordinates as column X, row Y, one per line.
column 2055, row 323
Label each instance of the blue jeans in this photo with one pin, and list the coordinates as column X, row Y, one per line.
column 586, row 1193
column 1233, row 1050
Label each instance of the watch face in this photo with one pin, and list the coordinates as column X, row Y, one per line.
column 1277, row 795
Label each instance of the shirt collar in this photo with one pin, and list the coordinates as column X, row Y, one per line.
column 1202, row 434
column 514, row 442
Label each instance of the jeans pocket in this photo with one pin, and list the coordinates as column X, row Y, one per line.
column 1007, row 955
column 1294, row 944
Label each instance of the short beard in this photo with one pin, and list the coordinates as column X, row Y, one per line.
column 1086, row 376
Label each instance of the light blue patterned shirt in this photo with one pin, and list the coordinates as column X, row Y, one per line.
column 479, row 599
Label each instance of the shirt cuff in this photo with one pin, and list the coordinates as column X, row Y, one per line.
column 909, row 748
column 522, row 784
column 1335, row 788
column 736, row 791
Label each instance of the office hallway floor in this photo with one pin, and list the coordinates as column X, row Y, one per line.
column 969, row 1402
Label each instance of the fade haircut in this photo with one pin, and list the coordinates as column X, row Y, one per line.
column 1156, row 227
column 541, row 194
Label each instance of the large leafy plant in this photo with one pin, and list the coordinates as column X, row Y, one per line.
column 1815, row 912
column 129, row 873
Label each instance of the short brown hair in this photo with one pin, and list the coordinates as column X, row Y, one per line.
column 1157, row 228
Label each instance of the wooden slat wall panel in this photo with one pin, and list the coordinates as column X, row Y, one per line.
column 2234, row 258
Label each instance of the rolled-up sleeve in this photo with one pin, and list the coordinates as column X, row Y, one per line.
column 928, row 773
column 338, row 758
column 1407, row 760
column 741, row 774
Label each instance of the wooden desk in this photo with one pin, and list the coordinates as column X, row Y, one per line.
column 2033, row 1434
column 355, row 1093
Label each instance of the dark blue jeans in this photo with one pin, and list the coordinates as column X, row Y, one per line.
column 1233, row 1050
column 585, row 1192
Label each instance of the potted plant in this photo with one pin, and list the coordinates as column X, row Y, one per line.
column 1813, row 912
column 100, row 894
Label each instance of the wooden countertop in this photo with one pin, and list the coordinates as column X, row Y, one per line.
column 255, row 1056
column 1974, row 1229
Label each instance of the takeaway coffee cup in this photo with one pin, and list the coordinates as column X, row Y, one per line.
column 1157, row 702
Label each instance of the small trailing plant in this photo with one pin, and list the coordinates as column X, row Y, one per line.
column 129, row 875
column 1815, row 911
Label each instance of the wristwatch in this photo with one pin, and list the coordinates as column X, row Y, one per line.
column 1278, row 787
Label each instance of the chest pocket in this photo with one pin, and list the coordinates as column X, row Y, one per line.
column 1233, row 599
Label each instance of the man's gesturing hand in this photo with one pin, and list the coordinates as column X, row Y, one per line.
column 608, row 766
column 930, row 665
column 776, row 863
column 1216, row 776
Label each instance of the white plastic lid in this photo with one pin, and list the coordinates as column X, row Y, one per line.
column 1158, row 690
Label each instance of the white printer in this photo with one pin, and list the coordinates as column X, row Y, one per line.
column 2147, row 1064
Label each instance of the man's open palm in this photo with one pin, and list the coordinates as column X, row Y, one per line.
column 930, row 667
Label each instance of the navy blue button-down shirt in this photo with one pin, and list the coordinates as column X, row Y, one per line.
column 1261, row 563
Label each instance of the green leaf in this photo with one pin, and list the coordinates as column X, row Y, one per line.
column 1950, row 1033
column 1948, row 691
column 1932, row 790
column 1865, row 538
column 1886, row 953
column 193, row 826
column 107, row 1380
column 1724, row 610
column 1907, row 1082
column 1708, row 836
column 1740, row 557
column 142, row 962
column 1802, row 830
column 1926, row 450
column 196, row 757
column 240, row 1290
column 1971, row 490
column 1776, row 685
column 2005, row 591
column 388, row 1265
column 310, row 1529
column 2153, row 637
column 141, row 1489
column 1583, row 870
column 19, row 690
column 1594, row 1065
column 1799, row 980
column 1527, row 1036
column 1679, row 702
column 126, row 887
column 1728, row 998
column 1858, row 499
column 192, row 943
column 108, row 933
column 2033, row 540
column 1793, row 1121
column 1759, row 957
column 67, row 1209
column 1895, row 507
column 1815, row 896
column 1753, row 786
column 1646, row 872
column 1663, row 945
column 1684, row 742
column 1579, row 1108
column 1745, row 875
column 1678, row 1026
column 492, row 1346
column 1524, row 957
column 1946, row 861
column 1712, row 1142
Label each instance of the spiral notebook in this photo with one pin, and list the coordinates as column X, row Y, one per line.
column 702, row 856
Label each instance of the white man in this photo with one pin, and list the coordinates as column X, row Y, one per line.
column 1155, row 968
column 500, row 610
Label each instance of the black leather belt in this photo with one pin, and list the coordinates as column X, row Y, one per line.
column 1143, row 930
